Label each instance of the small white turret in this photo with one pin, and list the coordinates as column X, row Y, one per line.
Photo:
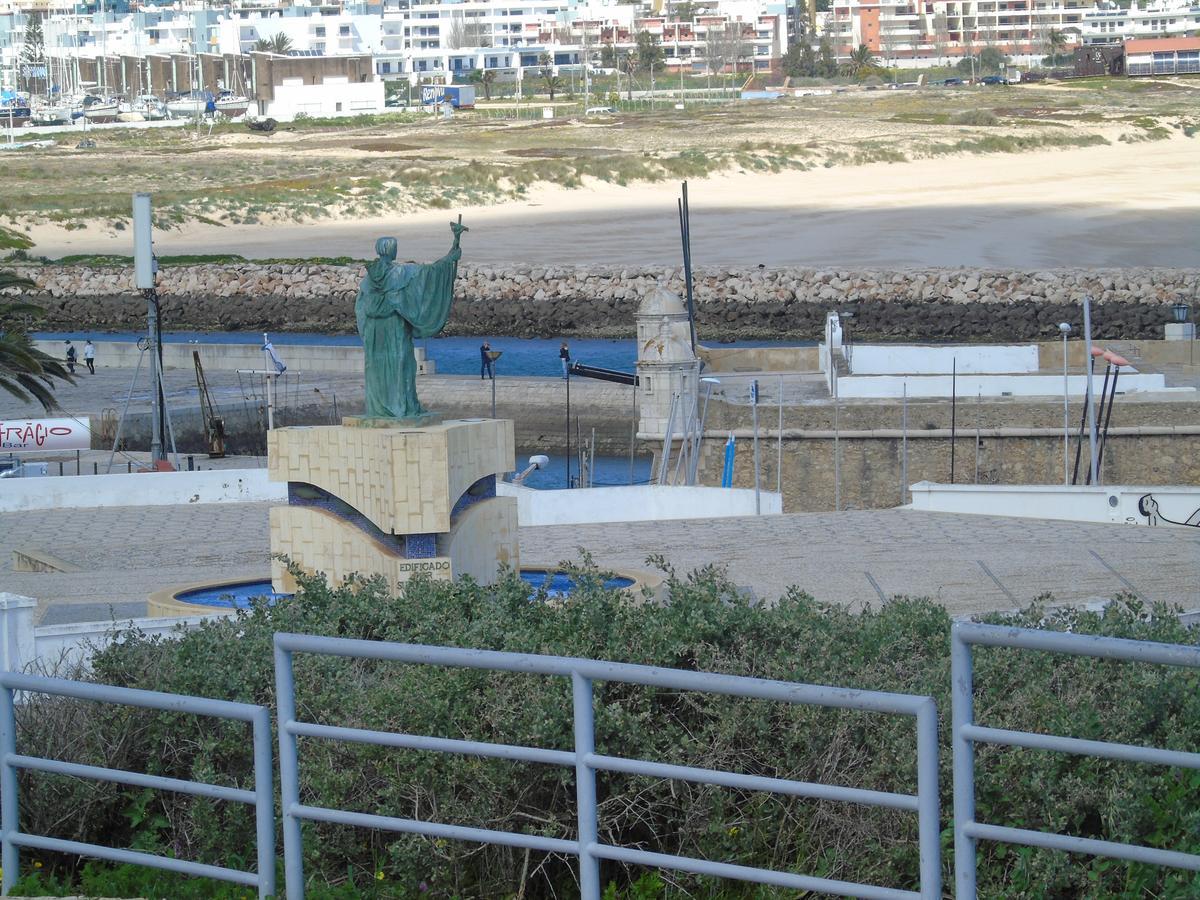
column 667, row 368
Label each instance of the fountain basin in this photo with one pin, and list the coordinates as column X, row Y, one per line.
column 194, row 599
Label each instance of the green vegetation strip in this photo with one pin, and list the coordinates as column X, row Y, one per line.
column 709, row 625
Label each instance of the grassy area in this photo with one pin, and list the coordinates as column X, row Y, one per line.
column 389, row 164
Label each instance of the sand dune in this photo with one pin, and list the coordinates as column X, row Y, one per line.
column 1119, row 205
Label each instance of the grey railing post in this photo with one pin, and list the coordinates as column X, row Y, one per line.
column 10, row 855
column 264, row 802
column 928, row 824
column 289, row 778
column 585, row 788
column 963, row 754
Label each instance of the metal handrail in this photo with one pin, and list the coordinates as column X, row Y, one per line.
column 965, row 734
column 12, row 839
column 587, row 846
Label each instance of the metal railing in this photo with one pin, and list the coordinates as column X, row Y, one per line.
column 966, row 734
column 12, row 839
column 586, row 762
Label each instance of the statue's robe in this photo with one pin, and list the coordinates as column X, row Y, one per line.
column 395, row 304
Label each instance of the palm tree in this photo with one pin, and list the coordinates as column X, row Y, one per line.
column 279, row 45
column 25, row 372
column 553, row 84
column 487, row 80
column 861, row 62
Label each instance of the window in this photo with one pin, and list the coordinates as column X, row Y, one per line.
column 344, row 30
column 319, row 31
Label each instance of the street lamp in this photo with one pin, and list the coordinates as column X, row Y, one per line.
column 1180, row 312
column 1065, row 329
column 535, row 463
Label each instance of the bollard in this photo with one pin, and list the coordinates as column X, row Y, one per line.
column 128, row 468
column 60, row 467
column 191, row 464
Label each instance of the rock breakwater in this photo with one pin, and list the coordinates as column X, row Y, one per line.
column 529, row 301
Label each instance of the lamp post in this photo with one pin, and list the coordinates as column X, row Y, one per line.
column 754, row 408
column 1065, row 329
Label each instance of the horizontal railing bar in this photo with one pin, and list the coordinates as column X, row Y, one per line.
column 752, row 782
column 105, row 693
column 183, row 866
column 423, row 742
column 1071, row 844
column 1079, row 644
column 1105, row 749
column 434, row 829
column 746, row 873
column 121, row 776
column 601, row 670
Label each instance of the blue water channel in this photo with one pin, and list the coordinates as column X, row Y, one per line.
column 453, row 355
column 241, row 595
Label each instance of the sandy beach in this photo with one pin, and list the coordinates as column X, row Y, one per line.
column 1125, row 204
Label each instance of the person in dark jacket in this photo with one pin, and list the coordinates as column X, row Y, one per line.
column 72, row 357
column 485, row 362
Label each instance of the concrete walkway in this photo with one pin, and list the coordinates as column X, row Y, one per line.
column 969, row 563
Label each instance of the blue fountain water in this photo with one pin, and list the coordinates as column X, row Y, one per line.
column 240, row 595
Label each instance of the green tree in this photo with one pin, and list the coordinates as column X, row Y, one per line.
column 629, row 64
column 33, row 55
column 991, row 60
column 861, row 63
column 280, row 44
column 649, row 51
column 826, row 62
column 26, row 372
column 801, row 61
column 608, row 56
column 554, row 84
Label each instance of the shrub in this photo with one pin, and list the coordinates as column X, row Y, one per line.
column 983, row 117
column 709, row 625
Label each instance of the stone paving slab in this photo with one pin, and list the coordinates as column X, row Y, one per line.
column 969, row 563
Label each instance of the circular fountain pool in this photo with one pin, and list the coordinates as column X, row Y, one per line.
column 239, row 594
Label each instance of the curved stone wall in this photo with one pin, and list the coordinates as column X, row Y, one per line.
column 527, row 301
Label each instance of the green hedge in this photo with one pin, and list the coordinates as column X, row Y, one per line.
column 901, row 646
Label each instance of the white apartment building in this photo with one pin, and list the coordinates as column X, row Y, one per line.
column 1108, row 23
column 928, row 32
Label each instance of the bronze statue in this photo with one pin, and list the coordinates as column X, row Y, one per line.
column 396, row 303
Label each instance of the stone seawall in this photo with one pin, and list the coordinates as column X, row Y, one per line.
column 529, row 301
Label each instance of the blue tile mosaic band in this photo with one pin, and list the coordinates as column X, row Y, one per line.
column 302, row 494
column 483, row 489
column 420, row 546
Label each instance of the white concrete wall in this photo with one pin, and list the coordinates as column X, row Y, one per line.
column 1168, row 506
column 55, row 649
column 906, row 359
column 966, row 386
column 143, row 489
column 334, row 97
column 636, row 503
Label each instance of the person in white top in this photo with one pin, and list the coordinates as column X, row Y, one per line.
column 89, row 356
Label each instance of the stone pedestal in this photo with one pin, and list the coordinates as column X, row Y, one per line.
column 1179, row 331
column 374, row 497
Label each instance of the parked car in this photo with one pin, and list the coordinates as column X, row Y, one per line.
column 951, row 82
column 599, row 110
column 991, row 79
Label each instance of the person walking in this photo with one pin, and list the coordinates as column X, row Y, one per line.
column 564, row 355
column 485, row 362
column 89, row 356
column 72, row 357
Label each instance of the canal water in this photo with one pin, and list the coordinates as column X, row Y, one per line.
column 452, row 355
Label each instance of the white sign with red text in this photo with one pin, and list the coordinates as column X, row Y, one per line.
column 25, row 435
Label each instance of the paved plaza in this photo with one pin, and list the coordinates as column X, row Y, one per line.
column 968, row 563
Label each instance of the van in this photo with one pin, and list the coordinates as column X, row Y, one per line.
column 599, row 110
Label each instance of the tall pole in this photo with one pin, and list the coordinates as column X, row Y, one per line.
column 904, row 444
column 569, row 426
column 144, row 280
column 1091, row 398
column 953, row 411
column 754, row 407
column 837, row 450
column 493, row 388
column 1066, row 329
column 779, row 446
